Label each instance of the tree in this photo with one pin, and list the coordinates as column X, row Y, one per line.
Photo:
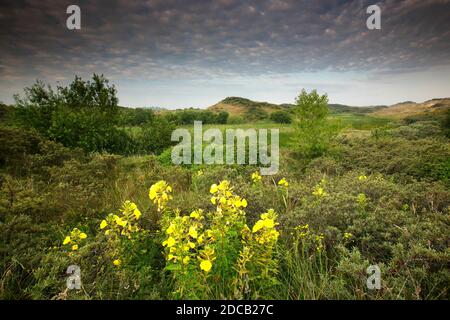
column 84, row 114
column 312, row 132
column 222, row 117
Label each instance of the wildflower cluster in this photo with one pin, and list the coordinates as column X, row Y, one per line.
column 124, row 224
column 319, row 189
column 264, row 229
column 121, row 226
column 308, row 239
column 257, row 267
column 347, row 235
column 362, row 178
column 283, row 183
column 361, row 199
column 229, row 205
column 160, row 194
column 201, row 248
column 186, row 243
column 74, row 239
column 256, row 177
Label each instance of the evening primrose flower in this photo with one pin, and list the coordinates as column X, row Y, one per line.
column 170, row 242
column 319, row 192
column 103, row 224
column 214, row 188
column 74, row 238
column 256, row 177
column 170, row 229
column 193, row 233
column 121, row 222
column 159, row 193
column 191, row 245
column 347, row 235
column 362, row 178
column 117, row 262
column 283, row 183
column 258, row 226
column 186, row 260
column 205, row 265
column 361, row 199
column 82, row 236
column 195, row 214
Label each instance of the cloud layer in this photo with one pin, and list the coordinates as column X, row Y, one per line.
column 199, row 39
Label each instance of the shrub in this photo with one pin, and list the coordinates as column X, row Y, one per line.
column 281, row 117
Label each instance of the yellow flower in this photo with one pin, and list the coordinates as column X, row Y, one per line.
column 256, row 177
column 269, row 223
column 319, row 192
column 75, row 247
column 170, row 242
column 170, row 229
column 121, row 222
column 186, row 260
column 103, row 224
column 224, row 185
column 137, row 213
column 171, row 257
column 152, row 194
column 159, row 193
column 283, row 183
column 193, row 233
column 195, row 215
column 82, row 235
column 258, row 226
column 347, row 235
column 214, row 188
column 241, row 203
column 191, row 245
column 362, row 178
column 66, row 240
column 205, row 265
column 117, row 262
column 199, row 173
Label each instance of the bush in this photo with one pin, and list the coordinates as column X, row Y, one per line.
column 281, row 117
column 84, row 114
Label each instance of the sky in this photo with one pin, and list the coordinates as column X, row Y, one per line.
column 194, row 53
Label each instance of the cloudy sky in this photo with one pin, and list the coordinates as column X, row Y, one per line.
column 193, row 53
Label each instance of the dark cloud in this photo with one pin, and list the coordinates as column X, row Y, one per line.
column 173, row 39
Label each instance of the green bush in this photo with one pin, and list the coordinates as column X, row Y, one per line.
column 281, row 117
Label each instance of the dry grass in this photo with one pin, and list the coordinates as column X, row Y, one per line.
column 403, row 110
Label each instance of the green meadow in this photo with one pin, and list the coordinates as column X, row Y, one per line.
column 92, row 185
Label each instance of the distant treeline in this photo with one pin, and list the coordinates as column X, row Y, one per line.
column 85, row 115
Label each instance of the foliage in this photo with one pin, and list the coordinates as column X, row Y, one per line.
column 83, row 114
column 145, row 229
column 281, row 117
column 313, row 132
